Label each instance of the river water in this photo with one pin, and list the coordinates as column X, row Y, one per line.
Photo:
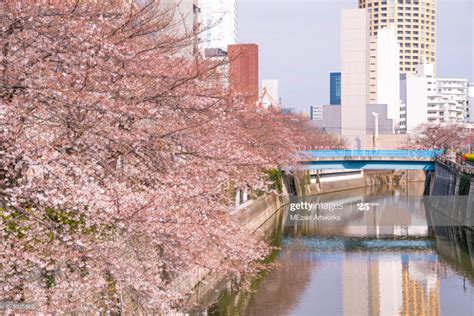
column 364, row 264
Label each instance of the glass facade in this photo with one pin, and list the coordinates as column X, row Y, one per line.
column 335, row 88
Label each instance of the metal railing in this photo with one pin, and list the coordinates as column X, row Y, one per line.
column 432, row 154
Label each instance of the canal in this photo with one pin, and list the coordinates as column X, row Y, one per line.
column 377, row 259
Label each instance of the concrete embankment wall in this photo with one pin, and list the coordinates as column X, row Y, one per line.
column 250, row 216
column 452, row 179
column 366, row 179
column 254, row 214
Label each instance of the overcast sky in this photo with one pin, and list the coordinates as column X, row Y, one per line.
column 299, row 43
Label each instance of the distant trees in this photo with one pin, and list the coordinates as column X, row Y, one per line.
column 116, row 152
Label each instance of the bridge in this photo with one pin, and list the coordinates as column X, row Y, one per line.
column 369, row 159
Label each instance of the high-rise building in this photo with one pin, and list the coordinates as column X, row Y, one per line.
column 335, row 88
column 354, row 79
column 219, row 23
column 388, row 74
column 243, row 76
column 470, row 102
column 415, row 25
column 185, row 21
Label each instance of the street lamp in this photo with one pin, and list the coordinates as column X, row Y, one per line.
column 376, row 130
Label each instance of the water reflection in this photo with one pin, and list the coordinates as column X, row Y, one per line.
column 349, row 268
column 391, row 212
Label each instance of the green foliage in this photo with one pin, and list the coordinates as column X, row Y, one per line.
column 465, row 185
column 12, row 220
column 304, row 180
column 231, row 190
column 49, row 280
column 70, row 219
column 275, row 176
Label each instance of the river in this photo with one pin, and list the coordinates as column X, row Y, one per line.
column 355, row 265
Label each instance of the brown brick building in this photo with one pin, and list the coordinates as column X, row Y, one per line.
column 244, row 71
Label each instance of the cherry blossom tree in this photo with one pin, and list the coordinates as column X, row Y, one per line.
column 441, row 136
column 117, row 149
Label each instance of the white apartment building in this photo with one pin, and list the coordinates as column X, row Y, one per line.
column 219, row 23
column 470, row 111
column 449, row 102
column 426, row 99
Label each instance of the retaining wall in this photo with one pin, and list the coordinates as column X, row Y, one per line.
column 366, row 179
column 251, row 216
column 452, row 179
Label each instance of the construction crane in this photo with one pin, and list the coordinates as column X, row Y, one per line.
column 267, row 101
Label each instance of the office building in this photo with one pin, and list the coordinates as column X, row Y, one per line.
column 414, row 23
column 335, row 88
column 243, row 75
column 316, row 112
column 219, row 23
column 354, row 77
column 185, row 22
column 328, row 118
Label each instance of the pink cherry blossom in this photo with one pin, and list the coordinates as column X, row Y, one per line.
column 118, row 153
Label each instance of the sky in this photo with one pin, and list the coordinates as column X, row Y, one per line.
column 299, row 43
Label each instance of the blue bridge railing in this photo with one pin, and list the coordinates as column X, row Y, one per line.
column 375, row 153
